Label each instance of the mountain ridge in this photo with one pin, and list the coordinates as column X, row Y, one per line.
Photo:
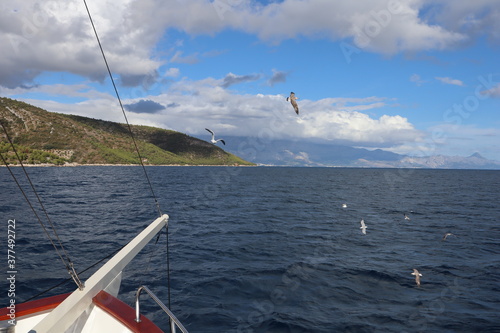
column 300, row 153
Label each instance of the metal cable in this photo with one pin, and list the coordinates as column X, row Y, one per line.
column 81, row 272
column 123, row 111
column 133, row 139
column 67, row 262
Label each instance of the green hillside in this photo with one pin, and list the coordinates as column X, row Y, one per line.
column 43, row 137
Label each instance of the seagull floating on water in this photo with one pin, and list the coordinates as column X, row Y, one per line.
column 344, row 205
column 292, row 99
column 213, row 138
column 363, row 227
column 448, row 234
column 417, row 276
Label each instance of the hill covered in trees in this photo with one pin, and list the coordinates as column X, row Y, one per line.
column 43, row 137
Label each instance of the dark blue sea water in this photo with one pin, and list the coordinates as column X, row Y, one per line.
column 272, row 250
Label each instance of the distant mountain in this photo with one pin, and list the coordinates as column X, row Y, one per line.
column 52, row 138
column 300, row 153
column 474, row 161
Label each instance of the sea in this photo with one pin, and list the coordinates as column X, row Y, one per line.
column 271, row 249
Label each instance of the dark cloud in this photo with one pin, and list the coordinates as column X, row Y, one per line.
column 277, row 77
column 144, row 80
column 144, row 106
column 11, row 77
column 231, row 79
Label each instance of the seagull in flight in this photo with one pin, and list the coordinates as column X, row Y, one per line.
column 448, row 234
column 363, row 227
column 213, row 138
column 417, row 276
column 292, row 99
column 407, row 217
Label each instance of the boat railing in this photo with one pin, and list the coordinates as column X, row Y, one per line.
column 173, row 320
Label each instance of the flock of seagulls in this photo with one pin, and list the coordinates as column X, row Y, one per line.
column 407, row 218
column 292, row 99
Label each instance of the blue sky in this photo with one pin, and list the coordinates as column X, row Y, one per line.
column 417, row 77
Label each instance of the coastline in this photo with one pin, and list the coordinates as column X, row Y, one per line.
column 46, row 165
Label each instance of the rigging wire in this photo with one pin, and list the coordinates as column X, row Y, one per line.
column 135, row 145
column 81, row 272
column 69, row 264
column 168, row 267
column 66, row 261
column 123, row 110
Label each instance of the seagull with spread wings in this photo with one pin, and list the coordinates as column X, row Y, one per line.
column 448, row 234
column 363, row 227
column 292, row 99
column 417, row 276
column 213, row 138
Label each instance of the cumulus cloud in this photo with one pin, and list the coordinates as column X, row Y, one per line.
column 55, row 35
column 172, row 72
column 194, row 105
column 448, row 80
column 473, row 17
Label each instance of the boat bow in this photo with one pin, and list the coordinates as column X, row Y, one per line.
column 74, row 311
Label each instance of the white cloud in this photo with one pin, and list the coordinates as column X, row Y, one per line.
column 448, row 80
column 194, row 105
column 70, row 90
column 300, row 156
column 56, row 35
column 172, row 72
column 473, row 17
column 493, row 92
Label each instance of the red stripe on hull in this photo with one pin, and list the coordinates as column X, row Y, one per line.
column 124, row 313
column 31, row 307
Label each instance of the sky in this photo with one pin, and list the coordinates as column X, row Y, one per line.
column 415, row 77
